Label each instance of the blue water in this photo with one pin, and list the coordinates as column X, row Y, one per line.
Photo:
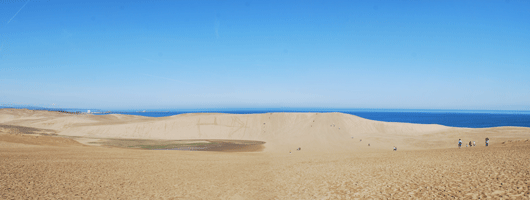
column 453, row 118
column 469, row 120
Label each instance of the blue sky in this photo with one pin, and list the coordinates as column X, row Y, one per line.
column 208, row 54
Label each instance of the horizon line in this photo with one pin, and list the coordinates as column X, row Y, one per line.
column 288, row 109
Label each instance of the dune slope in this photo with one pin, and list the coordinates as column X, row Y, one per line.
column 331, row 164
column 328, row 132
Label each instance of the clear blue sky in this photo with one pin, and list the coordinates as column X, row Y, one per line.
column 208, row 54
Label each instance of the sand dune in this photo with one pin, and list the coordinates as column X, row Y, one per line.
column 330, row 132
column 331, row 164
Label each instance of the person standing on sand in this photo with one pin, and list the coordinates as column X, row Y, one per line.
column 474, row 143
column 487, row 141
column 459, row 143
column 470, row 144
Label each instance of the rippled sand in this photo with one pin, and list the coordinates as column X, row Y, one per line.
column 34, row 166
column 69, row 171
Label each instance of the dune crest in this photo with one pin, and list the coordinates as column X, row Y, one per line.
column 329, row 132
column 330, row 164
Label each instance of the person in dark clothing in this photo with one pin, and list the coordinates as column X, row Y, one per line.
column 487, row 141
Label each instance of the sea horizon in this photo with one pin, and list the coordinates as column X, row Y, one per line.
column 259, row 110
column 447, row 117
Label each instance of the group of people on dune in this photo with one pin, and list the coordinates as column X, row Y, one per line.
column 471, row 144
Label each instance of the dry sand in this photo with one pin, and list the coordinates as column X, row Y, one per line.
column 331, row 165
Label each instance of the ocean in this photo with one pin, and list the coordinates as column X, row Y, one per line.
column 453, row 118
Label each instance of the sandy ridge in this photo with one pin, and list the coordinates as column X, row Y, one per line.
column 282, row 131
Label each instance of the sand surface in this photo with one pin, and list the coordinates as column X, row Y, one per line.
column 39, row 159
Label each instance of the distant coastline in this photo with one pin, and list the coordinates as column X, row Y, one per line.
column 453, row 118
column 266, row 110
